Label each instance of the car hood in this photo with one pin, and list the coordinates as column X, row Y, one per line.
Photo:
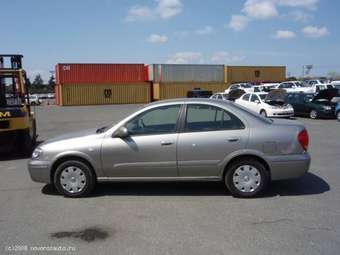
column 327, row 94
column 235, row 94
column 73, row 135
column 277, row 95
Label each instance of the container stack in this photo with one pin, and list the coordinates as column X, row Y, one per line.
column 235, row 74
column 173, row 81
column 95, row 84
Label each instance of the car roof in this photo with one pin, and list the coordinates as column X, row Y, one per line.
column 183, row 101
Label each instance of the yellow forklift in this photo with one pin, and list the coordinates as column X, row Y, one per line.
column 17, row 122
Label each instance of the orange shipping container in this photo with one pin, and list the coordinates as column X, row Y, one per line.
column 99, row 73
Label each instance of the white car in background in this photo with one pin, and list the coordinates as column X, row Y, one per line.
column 247, row 87
column 34, row 100
column 270, row 104
column 220, row 96
column 336, row 84
column 295, row 86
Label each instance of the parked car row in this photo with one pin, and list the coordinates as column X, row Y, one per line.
column 37, row 99
column 280, row 104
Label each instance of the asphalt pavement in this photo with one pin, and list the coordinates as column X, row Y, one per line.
column 294, row 217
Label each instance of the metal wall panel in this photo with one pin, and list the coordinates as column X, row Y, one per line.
column 188, row 73
column 234, row 74
column 179, row 90
column 97, row 94
column 99, row 73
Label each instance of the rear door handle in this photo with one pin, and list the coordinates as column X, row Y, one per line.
column 233, row 139
column 165, row 143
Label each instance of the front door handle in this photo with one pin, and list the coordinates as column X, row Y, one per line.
column 233, row 139
column 165, row 143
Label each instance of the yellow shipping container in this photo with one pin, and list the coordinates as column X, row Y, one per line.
column 97, row 94
column 234, row 74
column 175, row 90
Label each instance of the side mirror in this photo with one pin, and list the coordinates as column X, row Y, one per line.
column 257, row 101
column 121, row 132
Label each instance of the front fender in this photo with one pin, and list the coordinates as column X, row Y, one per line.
column 96, row 165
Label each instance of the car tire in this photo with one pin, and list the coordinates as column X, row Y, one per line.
column 338, row 115
column 74, row 178
column 313, row 114
column 246, row 178
column 263, row 113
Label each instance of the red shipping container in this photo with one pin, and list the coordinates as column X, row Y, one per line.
column 99, row 73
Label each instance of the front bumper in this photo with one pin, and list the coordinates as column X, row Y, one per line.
column 327, row 114
column 280, row 113
column 39, row 171
column 289, row 166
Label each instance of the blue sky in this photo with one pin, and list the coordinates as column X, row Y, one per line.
column 235, row 32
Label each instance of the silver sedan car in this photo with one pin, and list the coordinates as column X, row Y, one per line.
column 177, row 140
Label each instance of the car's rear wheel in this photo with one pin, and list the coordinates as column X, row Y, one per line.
column 313, row 114
column 246, row 178
column 74, row 178
column 263, row 113
column 338, row 115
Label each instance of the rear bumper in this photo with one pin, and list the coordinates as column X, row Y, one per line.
column 289, row 166
column 39, row 171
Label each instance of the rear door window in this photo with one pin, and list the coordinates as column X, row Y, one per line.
column 200, row 118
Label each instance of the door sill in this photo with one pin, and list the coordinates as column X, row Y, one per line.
column 157, row 179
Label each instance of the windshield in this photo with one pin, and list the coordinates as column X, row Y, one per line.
column 246, row 86
column 263, row 96
column 8, row 93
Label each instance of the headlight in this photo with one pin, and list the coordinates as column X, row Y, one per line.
column 326, row 107
column 37, row 153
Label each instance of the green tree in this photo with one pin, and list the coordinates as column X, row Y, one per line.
column 38, row 81
column 51, row 81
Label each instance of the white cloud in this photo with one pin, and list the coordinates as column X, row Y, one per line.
column 267, row 9
column 284, row 34
column 224, row 57
column 168, row 8
column 138, row 12
column 260, row 9
column 164, row 9
column 238, row 22
column 155, row 38
column 186, row 57
column 308, row 4
column 300, row 16
column 315, row 32
column 205, row 30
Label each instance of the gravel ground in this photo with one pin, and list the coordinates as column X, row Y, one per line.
column 295, row 217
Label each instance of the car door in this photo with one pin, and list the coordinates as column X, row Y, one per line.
column 150, row 148
column 244, row 100
column 209, row 134
column 255, row 103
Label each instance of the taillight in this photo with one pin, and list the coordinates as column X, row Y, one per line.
column 303, row 139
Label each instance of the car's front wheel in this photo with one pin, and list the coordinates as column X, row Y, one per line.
column 246, row 178
column 313, row 114
column 338, row 116
column 74, row 178
column 263, row 113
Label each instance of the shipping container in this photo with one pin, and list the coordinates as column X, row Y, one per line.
column 178, row 90
column 98, row 94
column 100, row 73
column 188, row 73
column 234, row 74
